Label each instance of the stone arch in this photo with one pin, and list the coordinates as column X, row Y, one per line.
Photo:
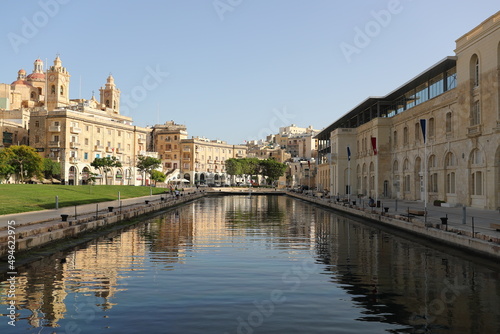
column 85, row 175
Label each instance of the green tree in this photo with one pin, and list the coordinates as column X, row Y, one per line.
column 106, row 163
column 234, row 167
column 6, row 169
column 272, row 169
column 25, row 161
column 50, row 168
column 158, row 176
column 148, row 164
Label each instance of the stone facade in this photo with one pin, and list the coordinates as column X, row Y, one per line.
column 72, row 132
column 457, row 100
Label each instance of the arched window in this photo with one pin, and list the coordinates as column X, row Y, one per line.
column 417, row 131
column 450, row 160
column 477, row 157
column 406, row 165
column 395, row 166
column 476, row 172
column 62, row 90
column 405, row 136
column 475, row 71
column 107, row 103
column 430, row 129
column 395, row 138
column 53, row 89
column 32, row 95
column 432, row 161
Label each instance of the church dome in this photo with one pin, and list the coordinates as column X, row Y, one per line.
column 36, row 76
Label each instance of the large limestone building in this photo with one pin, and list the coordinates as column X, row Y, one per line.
column 196, row 160
column 73, row 132
column 457, row 100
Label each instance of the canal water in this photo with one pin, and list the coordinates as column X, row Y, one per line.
column 265, row 264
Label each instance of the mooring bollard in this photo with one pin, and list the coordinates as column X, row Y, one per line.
column 64, row 218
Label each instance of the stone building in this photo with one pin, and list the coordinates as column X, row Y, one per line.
column 72, row 132
column 455, row 103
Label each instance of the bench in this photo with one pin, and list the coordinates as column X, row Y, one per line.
column 495, row 226
column 416, row 212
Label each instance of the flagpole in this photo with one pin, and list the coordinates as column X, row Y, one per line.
column 348, row 173
column 349, row 178
column 425, row 177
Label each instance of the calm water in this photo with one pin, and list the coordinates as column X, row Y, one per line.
column 259, row 265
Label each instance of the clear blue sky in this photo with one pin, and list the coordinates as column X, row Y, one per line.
column 237, row 69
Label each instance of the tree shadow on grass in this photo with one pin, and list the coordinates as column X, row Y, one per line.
column 63, row 204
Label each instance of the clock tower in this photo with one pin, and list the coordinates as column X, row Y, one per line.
column 110, row 96
column 57, row 86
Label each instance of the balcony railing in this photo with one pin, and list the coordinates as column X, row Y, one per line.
column 474, row 131
column 141, row 141
column 73, row 160
column 55, row 128
column 74, row 144
column 98, row 148
column 75, row 129
column 54, row 143
column 109, row 149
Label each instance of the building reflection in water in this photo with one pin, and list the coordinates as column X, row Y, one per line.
column 391, row 279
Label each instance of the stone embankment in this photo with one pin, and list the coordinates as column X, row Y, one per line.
column 486, row 242
column 37, row 233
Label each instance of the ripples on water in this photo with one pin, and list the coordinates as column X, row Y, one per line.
column 259, row 265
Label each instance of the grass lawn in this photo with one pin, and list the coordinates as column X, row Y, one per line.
column 15, row 198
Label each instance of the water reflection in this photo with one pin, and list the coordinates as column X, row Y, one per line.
column 211, row 265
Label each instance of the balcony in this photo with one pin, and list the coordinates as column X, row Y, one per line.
column 210, row 162
column 109, row 149
column 54, row 143
column 55, row 128
column 474, row 131
column 75, row 129
column 141, row 141
column 98, row 148
column 186, row 159
column 119, row 150
column 74, row 144
column 73, row 160
column 216, row 162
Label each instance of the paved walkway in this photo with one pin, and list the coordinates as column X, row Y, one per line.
column 458, row 217
column 28, row 218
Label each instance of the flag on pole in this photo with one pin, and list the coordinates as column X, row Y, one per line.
column 348, row 154
column 374, row 145
column 423, row 127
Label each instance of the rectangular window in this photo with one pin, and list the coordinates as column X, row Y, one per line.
column 475, row 114
column 37, row 124
column 37, row 139
column 86, row 141
column 85, row 156
column 97, row 155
